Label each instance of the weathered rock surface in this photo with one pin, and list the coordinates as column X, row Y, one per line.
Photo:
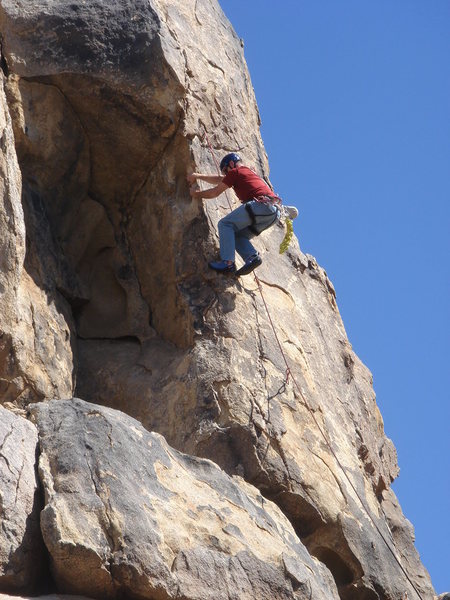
column 51, row 597
column 112, row 299
column 125, row 515
column 36, row 358
column 21, row 549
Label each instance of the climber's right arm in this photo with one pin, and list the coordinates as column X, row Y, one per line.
column 192, row 178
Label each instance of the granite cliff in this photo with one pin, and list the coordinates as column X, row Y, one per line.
column 152, row 444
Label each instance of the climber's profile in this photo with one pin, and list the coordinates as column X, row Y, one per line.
column 260, row 210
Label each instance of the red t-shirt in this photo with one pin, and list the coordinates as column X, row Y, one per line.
column 246, row 184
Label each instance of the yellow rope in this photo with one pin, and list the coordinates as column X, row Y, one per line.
column 288, row 236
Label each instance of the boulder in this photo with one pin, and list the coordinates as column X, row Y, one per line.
column 127, row 516
column 21, row 548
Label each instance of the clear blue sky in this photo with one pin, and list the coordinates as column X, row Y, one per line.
column 354, row 97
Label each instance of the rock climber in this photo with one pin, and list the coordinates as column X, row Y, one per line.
column 260, row 210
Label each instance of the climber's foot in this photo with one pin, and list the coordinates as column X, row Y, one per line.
column 223, row 266
column 250, row 265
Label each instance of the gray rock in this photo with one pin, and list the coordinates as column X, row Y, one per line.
column 127, row 515
column 21, row 549
column 113, row 38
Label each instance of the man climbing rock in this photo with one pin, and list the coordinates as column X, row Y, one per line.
column 260, row 210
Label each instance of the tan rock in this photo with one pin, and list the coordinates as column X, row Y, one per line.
column 126, row 515
column 35, row 351
column 109, row 111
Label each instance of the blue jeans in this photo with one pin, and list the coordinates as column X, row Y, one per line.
column 234, row 232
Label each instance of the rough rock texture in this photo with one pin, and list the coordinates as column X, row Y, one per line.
column 125, row 515
column 51, row 597
column 20, row 547
column 112, row 299
column 36, row 358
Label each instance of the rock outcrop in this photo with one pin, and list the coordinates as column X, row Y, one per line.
column 50, row 597
column 36, row 356
column 105, row 294
column 127, row 516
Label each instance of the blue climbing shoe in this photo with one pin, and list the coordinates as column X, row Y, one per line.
column 222, row 266
column 250, row 265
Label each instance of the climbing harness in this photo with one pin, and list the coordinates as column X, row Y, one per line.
column 320, row 429
column 262, row 222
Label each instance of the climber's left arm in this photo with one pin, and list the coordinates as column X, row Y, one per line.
column 210, row 192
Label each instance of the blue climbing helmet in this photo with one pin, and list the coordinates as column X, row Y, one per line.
column 229, row 157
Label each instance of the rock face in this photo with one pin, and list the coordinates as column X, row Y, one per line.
column 127, row 516
column 105, row 291
column 36, row 358
column 51, row 597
